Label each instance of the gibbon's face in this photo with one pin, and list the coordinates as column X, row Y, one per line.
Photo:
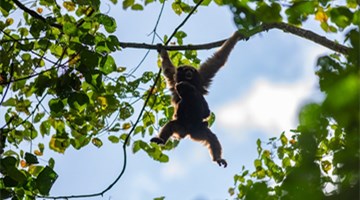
column 186, row 73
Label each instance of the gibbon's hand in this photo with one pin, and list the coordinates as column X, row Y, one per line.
column 157, row 140
column 159, row 47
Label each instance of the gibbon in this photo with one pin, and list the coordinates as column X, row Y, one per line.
column 188, row 87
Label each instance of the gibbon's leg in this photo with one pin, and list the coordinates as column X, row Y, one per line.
column 168, row 130
column 209, row 68
column 210, row 140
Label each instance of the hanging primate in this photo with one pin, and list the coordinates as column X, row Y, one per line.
column 188, row 86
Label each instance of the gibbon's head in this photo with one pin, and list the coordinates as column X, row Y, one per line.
column 190, row 75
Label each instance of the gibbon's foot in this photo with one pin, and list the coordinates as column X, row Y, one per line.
column 222, row 162
column 157, row 140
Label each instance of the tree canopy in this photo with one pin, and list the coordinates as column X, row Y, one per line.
column 67, row 91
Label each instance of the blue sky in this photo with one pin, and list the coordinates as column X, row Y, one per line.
column 256, row 95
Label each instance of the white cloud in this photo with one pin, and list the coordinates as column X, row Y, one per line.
column 269, row 107
column 272, row 107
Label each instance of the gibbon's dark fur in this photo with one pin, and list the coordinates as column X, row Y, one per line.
column 188, row 86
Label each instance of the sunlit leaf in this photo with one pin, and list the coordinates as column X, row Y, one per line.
column 137, row 7
column 114, row 139
column 97, row 142
column 69, row 5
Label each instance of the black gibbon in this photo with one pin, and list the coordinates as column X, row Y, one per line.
column 188, row 86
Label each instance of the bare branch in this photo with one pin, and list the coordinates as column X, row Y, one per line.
column 308, row 35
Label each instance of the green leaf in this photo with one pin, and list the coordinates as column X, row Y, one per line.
column 257, row 163
column 97, row 142
column 114, row 139
column 149, row 1
column 87, row 39
column 8, row 162
column 176, row 8
column 283, row 139
column 269, row 14
column 107, row 64
column 51, row 163
column 36, row 27
column 45, row 127
column 136, row 146
column 219, row 2
column 126, row 110
column 5, row 7
column 56, row 105
column 128, row 3
column 341, row 16
column 45, row 180
column 59, row 143
column 38, row 117
column 300, row 10
column 70, row 28
column 10, row 102
column 148, row 119
column 286, row 162
column 163, row 158
column 31, row 159
column 35, row 169
column 326, row 166
column 16, row 175
column 137, row 7
column 108, row 22
column 204, row 3
column 78, row 101
column 89, row 59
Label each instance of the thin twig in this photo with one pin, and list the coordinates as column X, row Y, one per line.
column 8, row 86
column 35, row 15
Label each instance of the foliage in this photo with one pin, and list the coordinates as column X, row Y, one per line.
column 57, row 61
column 320, row 159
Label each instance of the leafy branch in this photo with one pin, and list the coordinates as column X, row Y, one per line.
column 133, row 127
column 35, row 15
column 307, row 34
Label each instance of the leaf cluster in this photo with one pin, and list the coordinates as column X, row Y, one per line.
column 324, row 149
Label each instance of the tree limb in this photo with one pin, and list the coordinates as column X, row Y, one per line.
column 35, row 15
column 308, row 35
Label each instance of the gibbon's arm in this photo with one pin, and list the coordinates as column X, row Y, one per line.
column 209, row 68
column 168, row 69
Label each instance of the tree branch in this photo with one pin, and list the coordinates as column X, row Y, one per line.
column 173, row 48
column 35, row 15
column 308, row 35
column 281, row 26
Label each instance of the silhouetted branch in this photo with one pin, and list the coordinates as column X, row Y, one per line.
column 308, row 35
column 35, row 15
